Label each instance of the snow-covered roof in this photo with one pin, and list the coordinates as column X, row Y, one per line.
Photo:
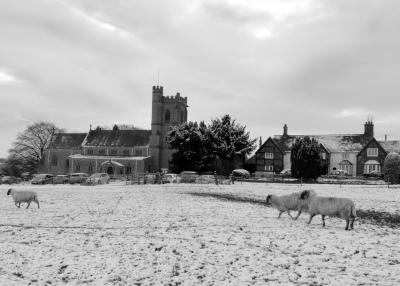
column 67, row 140
column 118, row 138
column 112, row 158
column 332, row 142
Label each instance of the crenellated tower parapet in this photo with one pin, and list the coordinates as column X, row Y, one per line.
column 167, row 111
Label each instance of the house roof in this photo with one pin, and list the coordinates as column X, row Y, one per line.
column 108, row 158
column 332, row 142
column 391, row 146
column 117, row 138
column 67, row 140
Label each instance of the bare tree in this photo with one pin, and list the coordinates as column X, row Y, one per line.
column 29, row 146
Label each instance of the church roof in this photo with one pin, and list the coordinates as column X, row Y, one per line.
column 67, row 140
column 117, row 138
column 332, row 142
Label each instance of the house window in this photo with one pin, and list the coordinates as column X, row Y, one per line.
column 77, row 168
column 54, row 160
column 90, row 168
column 323, row 156
column 128, row 170
column 125, row 152
column 269, row 168
column 138, row 152
column 89, row 151
column 269, row 155
column 102, row 151
column 346, row 167
column 372, row 152
column 345, row 156
column 372, row 166
column 113, row 152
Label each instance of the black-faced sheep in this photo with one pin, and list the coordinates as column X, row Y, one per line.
column 23, row 197
column 288, row 203
column 329, row 206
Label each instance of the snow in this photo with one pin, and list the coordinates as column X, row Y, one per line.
column 163, row 234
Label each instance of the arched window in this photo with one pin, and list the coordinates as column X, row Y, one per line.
column 54, row 160
column 167, row 116
column 90, row 168
column 346, row 166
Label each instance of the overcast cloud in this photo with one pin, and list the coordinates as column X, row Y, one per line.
column 319, row 66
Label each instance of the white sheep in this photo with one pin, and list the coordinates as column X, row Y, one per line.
column 23, row 197
column 287, row 203
column 329, row 206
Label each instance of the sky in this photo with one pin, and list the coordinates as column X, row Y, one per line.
column 321, row 67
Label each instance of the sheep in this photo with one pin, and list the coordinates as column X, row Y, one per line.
column 328, row 206
column 287, row 203
column 23, row 197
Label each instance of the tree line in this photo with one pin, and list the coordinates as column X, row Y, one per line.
column 221, row 146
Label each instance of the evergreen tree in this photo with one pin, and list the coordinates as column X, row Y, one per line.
column 391, row 168
column 305, row 158
column 203, row 148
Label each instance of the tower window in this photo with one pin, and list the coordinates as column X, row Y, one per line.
column 167, row 116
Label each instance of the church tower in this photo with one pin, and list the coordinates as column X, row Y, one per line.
column 167, row 111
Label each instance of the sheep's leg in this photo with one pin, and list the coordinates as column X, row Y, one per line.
column 19, row 204
column 311, row 217
column 16, row 204
column 323, row 220
column 37, row 202
column 29, row 203
column 347, row 223
column 352, row 222
column 280, row 213
column 288, row 212
column 298, row 214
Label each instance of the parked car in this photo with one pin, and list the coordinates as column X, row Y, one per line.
column 169, row 178
column 98, row 178
column 77, row 178
column 240, row 174
column 10, row 180
column 188, row 176
column 286, row 173
column 42, row 179
column 60, row 179
column 339, row 173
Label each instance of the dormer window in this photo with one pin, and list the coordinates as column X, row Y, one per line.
column 269, row 155
column 372, row 152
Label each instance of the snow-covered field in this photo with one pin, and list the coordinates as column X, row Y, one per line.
column 165, row 235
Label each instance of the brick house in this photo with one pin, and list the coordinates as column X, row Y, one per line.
column 355, row 154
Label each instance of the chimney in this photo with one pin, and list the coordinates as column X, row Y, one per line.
column 368, row 130
column 260, row 142
column 285, row 130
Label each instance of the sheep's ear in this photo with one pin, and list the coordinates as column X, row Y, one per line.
column 8, row 192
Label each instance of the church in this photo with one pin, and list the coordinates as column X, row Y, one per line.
column 118, row 152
